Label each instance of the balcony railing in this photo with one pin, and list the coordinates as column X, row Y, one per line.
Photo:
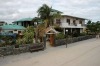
column 65, row 25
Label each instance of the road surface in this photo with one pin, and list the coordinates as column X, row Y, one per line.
column 83, row 53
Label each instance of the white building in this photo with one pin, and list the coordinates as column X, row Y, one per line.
column 71, row 24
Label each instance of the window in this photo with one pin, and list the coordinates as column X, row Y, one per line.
column 68, row 21
column 15, row 30
column 74, row 22
column 76, row 18
column 0, row 29
column 58, row 21
column 17, row 23
column 80, row 22
column 22, row 23
column 10, row 31
column 19, row 32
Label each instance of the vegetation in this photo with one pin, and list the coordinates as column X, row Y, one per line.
column 28, row 36
column 6, row 40
column 82, row 34
column 60, row 36
column 57, row 28
column 36, row 20
column 93, row 27
column 48, row 14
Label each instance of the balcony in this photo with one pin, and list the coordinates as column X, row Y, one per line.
column 66, row 25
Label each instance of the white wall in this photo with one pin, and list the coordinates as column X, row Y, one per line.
column 64, row 24
column 12, row 30
column 19, row 23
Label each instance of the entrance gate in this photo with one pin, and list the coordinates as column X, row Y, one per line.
column 51, row 32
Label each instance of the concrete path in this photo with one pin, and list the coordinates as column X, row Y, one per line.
column 83, row 53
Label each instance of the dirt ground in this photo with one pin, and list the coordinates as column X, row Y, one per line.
column 83, row 53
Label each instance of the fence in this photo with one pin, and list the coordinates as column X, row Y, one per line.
column 72, row 40
column 11, row 50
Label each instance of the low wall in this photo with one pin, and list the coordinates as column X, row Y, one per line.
column 11, row 50
column 72, row 40
column 60, row 42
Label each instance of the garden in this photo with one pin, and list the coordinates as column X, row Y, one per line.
column 11, row 45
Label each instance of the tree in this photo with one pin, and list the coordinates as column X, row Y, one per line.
column 36, row 20
column 47, row 14
column 93, row 27
column 28, row 36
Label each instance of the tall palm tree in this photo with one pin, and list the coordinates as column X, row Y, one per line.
column 36, row 20
column 47, row 14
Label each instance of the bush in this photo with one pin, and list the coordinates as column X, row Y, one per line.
column 60, row 36
column 58, row 29
column 82, row 34
column 19, row 41
column 6, row 40
column 28, row 36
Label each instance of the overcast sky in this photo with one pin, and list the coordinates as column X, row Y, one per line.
column 11, row 10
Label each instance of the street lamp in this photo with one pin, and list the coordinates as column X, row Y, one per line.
column 66, row 30
column 66, row 37
column 36, row 32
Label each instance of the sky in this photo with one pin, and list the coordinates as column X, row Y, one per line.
column 12, row 10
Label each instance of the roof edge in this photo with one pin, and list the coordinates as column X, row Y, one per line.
column 75, row 17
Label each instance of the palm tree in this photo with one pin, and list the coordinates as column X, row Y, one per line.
column 48, row 14
column 36, row 20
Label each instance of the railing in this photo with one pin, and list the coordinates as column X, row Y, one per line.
column 65, row 25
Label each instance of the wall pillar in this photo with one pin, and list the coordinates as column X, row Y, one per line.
column 52, row 39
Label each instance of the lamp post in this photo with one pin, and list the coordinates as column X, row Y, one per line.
column 66, row 37
column 36, row 32
column 97, row 32
column 67, row 32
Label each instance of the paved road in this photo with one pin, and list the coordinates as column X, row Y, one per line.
column 83, row 53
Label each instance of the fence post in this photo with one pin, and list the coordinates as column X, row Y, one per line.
column 66, row 41
column 44, row 41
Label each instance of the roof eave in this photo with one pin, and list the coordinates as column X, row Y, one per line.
column 74, row 17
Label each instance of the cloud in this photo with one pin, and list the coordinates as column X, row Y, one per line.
column 82, row 8
column 11, row 10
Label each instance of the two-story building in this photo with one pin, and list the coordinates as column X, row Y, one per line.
column 71, row 24
column 28, row 21
column 23, row 22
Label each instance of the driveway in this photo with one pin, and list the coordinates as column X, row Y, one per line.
column 83, row 53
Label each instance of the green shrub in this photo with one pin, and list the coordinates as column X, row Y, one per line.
column 82, row 34
column 60, row 36
column 58, row 29
column 28, row 36
column 7, row 40
column 19, row 41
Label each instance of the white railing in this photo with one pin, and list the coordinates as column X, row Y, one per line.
column 66, row 25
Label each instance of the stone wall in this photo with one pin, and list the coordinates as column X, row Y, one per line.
column 11, row 50
column 60, row 42
column 72, row 40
